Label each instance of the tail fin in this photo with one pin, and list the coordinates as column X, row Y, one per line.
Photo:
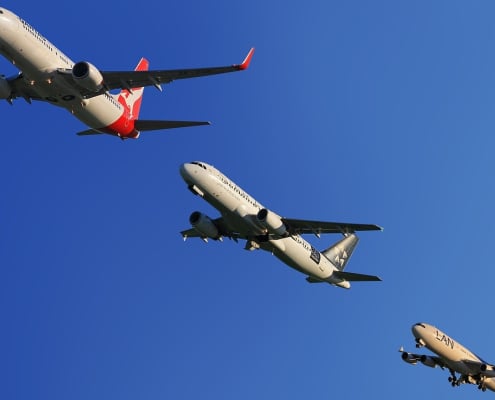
column 340, row 253
column 133, row 97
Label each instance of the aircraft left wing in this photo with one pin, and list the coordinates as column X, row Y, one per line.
column 430, row 361
column 134, row 79
column 20, row 88
column 223, row 230
column 301, row 226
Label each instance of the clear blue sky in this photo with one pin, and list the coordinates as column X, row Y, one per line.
column 375, row 112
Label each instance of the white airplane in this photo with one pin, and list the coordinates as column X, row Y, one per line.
column 244, row 218
column 451, row 355
column 47, row 74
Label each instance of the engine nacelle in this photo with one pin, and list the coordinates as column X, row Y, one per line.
column 204, row 225
column 272, row 222
column 409, row 358
column 5, row 90
column 87, row 76
column 428, row 361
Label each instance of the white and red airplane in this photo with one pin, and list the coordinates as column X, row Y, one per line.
column 47, row 74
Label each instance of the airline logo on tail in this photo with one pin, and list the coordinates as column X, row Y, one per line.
column 131, row 99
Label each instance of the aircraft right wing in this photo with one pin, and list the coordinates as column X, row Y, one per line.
column 301, row 226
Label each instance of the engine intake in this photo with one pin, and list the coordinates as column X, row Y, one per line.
column 87, row 76
column 272, row 222
column 204, row 225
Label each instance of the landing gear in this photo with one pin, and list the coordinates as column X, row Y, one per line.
column 453, row 379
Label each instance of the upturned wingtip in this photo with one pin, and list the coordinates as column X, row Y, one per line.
column 245, row 64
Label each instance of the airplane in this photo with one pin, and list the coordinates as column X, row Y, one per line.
column 245, row 218
column 451, row 355
column 47, row 74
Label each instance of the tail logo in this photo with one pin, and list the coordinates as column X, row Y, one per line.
column 341, row 257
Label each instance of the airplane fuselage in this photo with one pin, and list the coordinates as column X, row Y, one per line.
column 239, row 211
column 455, row 355
column 39, row 60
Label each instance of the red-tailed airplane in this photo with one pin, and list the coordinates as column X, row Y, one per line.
column 47, row 74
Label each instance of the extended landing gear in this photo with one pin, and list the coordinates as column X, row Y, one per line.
column 482, row 387
column 481, row 384
column 453, row 379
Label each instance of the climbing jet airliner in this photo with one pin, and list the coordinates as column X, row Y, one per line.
column 47, row 74
column 451, row 355
column 244, row 218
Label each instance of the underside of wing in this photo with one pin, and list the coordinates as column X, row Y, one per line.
column 20, row 88
column 223, row 230
column 301, row 226
column 134, row 79
column 482, row 368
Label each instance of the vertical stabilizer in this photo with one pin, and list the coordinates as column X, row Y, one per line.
column 133, row 97
column 340, row 253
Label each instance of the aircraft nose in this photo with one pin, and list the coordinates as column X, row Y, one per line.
column 187, row 171
column 418, row 329
column 184, row 170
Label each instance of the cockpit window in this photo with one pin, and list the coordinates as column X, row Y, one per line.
column 420, row 324
column 199, row 164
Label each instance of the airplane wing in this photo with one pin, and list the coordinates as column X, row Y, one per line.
column 484, row 369
column 222, row 227
column 135, row 79
column 20, row 88
column 301, row 226
column 124, row 79
column 430, row 361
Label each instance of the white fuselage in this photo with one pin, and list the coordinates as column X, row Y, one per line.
column 239, row 211
column 454, row 354
column 39, row 60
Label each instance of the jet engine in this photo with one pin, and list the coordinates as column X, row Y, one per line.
column 5, row 90
column 428, row 361
column 204, row 225
column 87, row 76
column 409, row 358
column 272, row 222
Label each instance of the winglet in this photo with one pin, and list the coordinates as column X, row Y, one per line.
column 245, row 64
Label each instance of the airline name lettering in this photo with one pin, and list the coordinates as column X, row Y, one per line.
column 442, row 337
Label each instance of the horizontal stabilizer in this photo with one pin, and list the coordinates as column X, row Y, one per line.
column 312, row 279
column 350, row 276
column 152, row 125
column 89, row 132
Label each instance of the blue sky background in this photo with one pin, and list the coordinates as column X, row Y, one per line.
column 374, row 112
